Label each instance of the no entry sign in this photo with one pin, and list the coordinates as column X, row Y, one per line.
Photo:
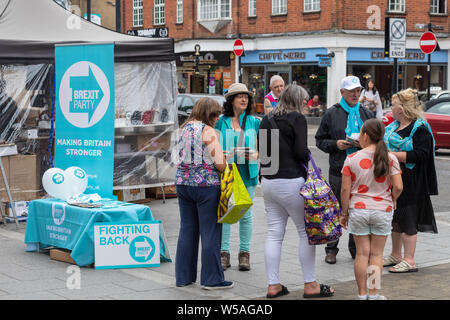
column 428, row 42
column 238, row 47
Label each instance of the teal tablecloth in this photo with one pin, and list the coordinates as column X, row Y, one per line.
column 53, row 222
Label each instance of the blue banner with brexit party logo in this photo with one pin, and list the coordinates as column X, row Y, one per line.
column 84, row 120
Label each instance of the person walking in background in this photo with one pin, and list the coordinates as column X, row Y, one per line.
column 236, row 121
column 371, row 184
column 410, row 139
column 198, row 189
column 340, row 121
column 271, row 99
column 281, row 191
column 370, row 98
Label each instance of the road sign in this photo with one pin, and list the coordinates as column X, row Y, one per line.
column 397, row 37
column 428, row 42
column 238, row 47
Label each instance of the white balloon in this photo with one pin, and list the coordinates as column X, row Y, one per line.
column 78, row 178
column 56, row 184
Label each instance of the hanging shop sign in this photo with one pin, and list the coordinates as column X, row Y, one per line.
column 150, row 33
column 84, row 119
column 324, row 62
column 130, row 245
column 215, row 58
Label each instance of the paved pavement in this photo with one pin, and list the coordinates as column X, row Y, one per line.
column 30, row 275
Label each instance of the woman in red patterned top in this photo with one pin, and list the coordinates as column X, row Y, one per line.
column 371, row 184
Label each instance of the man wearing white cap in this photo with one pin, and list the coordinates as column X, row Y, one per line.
column 340, row 123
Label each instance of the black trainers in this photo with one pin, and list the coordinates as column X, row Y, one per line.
column 223, row 285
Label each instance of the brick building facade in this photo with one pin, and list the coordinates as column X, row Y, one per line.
column 103, row 11
column 285, row 36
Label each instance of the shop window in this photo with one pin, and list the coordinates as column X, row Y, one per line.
column 279, row 7
column 214, row 9
column 254, row 78
column 159, row 17
column 138, row 13
column 252, row 8
column 438, row 7
column 311, row 5
column 179, row 11
column 396, row 5
column 313, row 79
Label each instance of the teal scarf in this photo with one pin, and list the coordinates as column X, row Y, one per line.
column 354, row 122
column 395, row 142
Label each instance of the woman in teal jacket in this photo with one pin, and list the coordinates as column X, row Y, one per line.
column 237, row 109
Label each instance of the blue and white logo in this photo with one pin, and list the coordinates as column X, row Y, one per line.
column 58, row 178
column 58, row 213
column 79, row 173
column 142, row 249
column 84, row 94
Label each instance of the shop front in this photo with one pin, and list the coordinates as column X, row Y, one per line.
column 370, row 63
column 210, row 73
column 298, row 66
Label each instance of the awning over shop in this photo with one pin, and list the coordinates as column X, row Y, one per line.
column 29, row 31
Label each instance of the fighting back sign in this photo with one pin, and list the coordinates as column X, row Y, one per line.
column 126, row 245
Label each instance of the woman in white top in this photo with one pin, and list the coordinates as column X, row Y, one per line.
column 370, row 98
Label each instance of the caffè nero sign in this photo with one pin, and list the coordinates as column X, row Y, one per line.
column 411, row 55
column 282, row 56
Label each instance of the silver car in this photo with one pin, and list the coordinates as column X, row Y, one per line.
column 186, row 101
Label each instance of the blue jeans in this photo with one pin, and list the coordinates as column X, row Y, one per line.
column 198, row 219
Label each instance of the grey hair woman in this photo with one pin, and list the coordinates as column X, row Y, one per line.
column 280, row 188
column 291, row 99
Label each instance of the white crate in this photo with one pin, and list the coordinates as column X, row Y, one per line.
column 21, row 208
column 133, row 194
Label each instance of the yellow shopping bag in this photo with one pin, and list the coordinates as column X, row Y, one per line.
column 234, row 198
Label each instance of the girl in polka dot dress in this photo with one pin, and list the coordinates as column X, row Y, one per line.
column 371, row 183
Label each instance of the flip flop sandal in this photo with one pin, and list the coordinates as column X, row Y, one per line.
column 284, row 291
column 403, row 267
column 324, row 292
column 390, row 261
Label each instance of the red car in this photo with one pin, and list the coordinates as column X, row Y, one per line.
column 387, row 117
column 437, row 115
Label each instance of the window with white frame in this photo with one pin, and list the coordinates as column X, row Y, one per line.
column 279, row 6
column 438, row 6
column 397, row 5
column 159, row 12
column 252, row 8
column 179, row 11
column 311, row 5
column 214, row 9
column 138, row 13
